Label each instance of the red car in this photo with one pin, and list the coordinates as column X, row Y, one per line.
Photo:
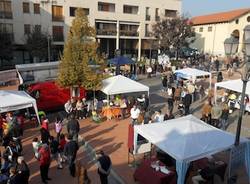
column 49, row 96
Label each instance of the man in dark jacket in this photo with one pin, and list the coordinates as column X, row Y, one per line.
column 104, row 165
column 187, row 100
column 73, row 127
column 23, row 170
column 70, row 151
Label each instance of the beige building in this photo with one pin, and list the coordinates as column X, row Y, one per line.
column 120, row 24
column 212, row 30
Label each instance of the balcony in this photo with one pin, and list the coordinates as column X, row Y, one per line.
column 8, row 36
column 57, row 18
column 58, row 38
column 148, row 17
column 129, row 33
column 107, row 32
column 5, row 15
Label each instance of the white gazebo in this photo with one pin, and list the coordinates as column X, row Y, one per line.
column 233, row 85
column 193, row 73
column 187, row 139
column 120, row 85
column 15, row 100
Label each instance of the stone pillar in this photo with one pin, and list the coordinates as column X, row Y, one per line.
column 117, row 34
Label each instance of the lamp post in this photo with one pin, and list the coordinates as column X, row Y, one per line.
column 231, row 45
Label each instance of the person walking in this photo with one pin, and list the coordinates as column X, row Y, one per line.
column 54, row 149
column 70, row 151
column 104, row 165
column 187, row 101
column 45, row 133
column 73, row 127
column 58, row 127
column 23, row 170
column 219, row 77
column 224, row 116
column 44, row 159
column 13, row 177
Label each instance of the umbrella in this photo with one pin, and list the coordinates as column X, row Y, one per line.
column 121, row 60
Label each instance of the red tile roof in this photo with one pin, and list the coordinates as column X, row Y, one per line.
column 219, row 17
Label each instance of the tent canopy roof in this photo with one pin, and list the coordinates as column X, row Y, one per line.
column 234, row 85
column 188, row 73
column 186, row 138
column 120, row 84
column 14, row 100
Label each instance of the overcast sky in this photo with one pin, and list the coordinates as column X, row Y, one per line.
column 202, row 7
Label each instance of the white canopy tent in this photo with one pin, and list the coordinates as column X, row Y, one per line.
column 233, row 85
column 185, row 139
column 120, row 85
column 15, row 100
column 192, row 74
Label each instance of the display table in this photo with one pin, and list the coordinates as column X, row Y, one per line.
column 145, row 174
column 111, row 112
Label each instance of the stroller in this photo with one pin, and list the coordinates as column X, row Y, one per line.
column 181, row 109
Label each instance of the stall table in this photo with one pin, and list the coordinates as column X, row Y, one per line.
column 145, row 174
column 111, row 112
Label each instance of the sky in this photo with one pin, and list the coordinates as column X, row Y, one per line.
column 202, row 7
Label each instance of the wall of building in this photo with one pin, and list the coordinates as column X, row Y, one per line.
column 212, row 42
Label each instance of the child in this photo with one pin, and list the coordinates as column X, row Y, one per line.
column 36, row 144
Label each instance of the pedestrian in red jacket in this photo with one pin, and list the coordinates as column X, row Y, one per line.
column 44, row 159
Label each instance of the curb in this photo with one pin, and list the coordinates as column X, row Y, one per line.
column 92, row 152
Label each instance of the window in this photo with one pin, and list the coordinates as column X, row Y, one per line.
column 201, row 29
column 248, row 19
column 73, row 9
column 58, row 34
column 146, row 30
column 170, row 13
column 210, row 29
column 57, row 13
column 7, row 30
column 109, row 7
column 26, row 29
column 157, row 16
column 26, row 7
column 38, row 28
column 237, row 21
column 130, row 9
column 5, row 10
column 147, row 14
column 36, row 8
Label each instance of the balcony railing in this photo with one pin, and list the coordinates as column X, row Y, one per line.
column 148, row 17
column 57, row 18
column 128, row 33
column 157, row 18
column 58, row 38
column 5, row 15
column 109, row 32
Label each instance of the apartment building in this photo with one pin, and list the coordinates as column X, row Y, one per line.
column 120, row 24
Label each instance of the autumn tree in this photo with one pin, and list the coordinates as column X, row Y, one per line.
column 79, row 50
column 173, row 34
column 37, row 44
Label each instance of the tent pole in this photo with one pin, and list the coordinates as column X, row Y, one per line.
column 210, row 81
column 215, row 93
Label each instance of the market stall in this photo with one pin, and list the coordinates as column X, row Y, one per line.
column 15, row 100
column 235, row 86
column 192, row 74
column 121, row 85
column 187, row 139
column 118, row 85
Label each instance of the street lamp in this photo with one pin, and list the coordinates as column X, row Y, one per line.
column 231, row 45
